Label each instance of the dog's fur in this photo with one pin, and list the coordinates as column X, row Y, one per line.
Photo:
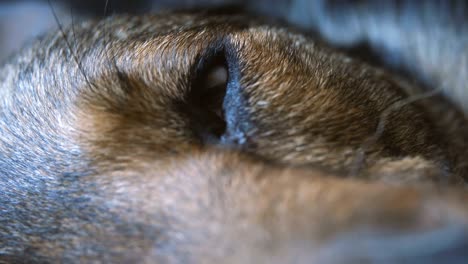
column 115, row 147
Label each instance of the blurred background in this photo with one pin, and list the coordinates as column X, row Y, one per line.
column 22, row 20
column 344, row 23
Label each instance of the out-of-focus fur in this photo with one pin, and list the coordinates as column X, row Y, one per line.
column 114, row 145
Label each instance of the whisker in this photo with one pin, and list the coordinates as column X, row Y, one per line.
column 111, row 58
column 72, row 24
column 360, row 157
column 105, row 8
column 67, row 43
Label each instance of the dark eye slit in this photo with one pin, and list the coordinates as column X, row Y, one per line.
column 204, row 103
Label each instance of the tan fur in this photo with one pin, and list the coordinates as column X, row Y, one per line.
column 300, row 165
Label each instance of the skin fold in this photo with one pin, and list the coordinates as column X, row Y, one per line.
column 206, row 138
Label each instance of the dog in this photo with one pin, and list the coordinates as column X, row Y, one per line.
column 201, row 137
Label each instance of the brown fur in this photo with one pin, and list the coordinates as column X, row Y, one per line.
column 112, row 150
